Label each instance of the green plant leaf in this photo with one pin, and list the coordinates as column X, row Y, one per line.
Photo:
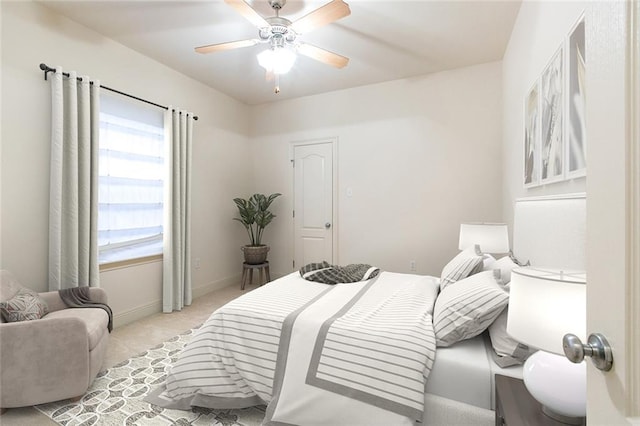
column 254, row 215
column 264, row 218
column 269, row 200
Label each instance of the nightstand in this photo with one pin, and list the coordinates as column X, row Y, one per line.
column 516, row 407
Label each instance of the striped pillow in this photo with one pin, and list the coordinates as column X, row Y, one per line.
column 467, row 308
column 464, row 264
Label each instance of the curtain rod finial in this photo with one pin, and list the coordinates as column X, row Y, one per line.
column 47, row 69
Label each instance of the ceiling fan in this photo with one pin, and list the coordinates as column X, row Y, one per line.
column 282, row 34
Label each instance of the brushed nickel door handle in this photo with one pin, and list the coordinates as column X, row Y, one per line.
column 597, row 348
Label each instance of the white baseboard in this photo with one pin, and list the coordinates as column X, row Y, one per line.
column 216, row 285
column 135, row 314
column 140, row 312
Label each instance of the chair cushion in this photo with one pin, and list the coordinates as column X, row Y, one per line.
column 95, row 319
column 25, row 305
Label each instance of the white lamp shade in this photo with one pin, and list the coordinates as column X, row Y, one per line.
column 545, row 305
column 491, row 237
column 278, row 60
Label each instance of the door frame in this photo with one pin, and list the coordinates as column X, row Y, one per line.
column 334, row 220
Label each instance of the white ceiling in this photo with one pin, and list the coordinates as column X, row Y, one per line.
column 385, row 40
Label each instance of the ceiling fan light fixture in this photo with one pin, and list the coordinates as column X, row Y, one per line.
column 281, row 35
column 278, row 60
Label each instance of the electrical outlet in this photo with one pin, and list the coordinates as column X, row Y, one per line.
column 412, row 265
column 349, row 192
column 196, row 263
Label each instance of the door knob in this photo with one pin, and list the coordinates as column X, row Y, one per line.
column 327, row 225
column 597, row 348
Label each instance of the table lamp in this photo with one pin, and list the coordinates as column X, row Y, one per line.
column 544, row 305
column 491, row 237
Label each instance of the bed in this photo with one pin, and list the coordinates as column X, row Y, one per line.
column 368, row 352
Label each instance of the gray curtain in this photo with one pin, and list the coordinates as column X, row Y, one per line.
column 177, row 230
column 73, row 199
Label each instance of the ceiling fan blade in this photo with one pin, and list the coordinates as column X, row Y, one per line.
column 210, row 48
column 248, row 12
column 324, row 15
column 323, row 55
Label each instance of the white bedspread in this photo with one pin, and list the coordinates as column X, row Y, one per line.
column 316, row 354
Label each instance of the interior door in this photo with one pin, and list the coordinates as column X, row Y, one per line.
column 313, row 214
column 613, row 207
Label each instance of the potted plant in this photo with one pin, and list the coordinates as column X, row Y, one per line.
column 255, row 216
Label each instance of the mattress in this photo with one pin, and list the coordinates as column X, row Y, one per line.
column 464, row 372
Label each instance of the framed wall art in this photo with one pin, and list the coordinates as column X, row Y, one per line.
column 576, row 164
column 555, row 129
column 532, row 137
column 551, row 120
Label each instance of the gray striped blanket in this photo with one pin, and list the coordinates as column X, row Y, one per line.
column 366, row 347
column 331, row 274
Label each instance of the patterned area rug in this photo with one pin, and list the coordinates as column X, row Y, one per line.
column 116, row 396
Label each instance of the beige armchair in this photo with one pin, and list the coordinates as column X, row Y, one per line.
column 52, row 358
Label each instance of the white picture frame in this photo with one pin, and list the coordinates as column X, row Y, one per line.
column 576, row 143
column 531, row 154
column 552, row 150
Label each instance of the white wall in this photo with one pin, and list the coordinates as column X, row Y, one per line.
column 539, row 30
column 421, row 155
column 32, row 34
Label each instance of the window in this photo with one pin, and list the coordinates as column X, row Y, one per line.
column 131, row 179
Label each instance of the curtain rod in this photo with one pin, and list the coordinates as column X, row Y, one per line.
column 47, row 69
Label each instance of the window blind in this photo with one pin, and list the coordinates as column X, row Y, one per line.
column 131, row 179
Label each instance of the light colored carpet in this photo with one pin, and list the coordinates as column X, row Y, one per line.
column 116, row 396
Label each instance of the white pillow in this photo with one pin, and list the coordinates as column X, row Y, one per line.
column 464, row 264
column 467, row 308
column 507, row 351
column 488, row 262
column 505, row 264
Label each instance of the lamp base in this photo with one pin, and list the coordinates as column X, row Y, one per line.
column 558, row 384
column 576, row 421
